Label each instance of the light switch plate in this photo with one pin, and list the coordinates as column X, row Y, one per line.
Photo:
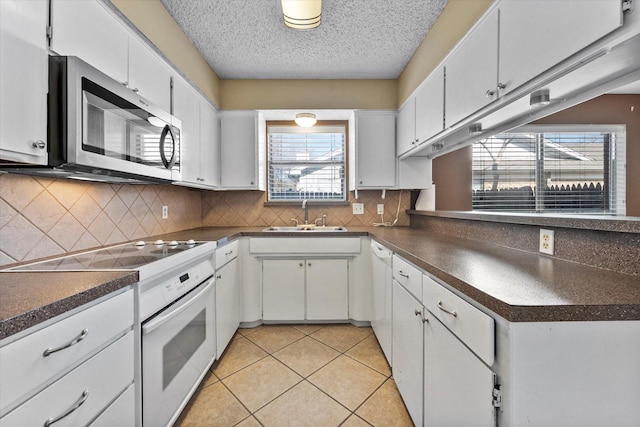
column 546, row 241
column 165, row 212
column 358, row 208
column 380, row 209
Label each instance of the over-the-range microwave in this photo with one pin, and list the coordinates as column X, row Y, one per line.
column 98, row 129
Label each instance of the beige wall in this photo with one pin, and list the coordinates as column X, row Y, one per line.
column 153, row 20
column 454, row 22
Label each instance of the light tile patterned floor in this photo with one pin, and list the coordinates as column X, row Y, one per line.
column 299, row 375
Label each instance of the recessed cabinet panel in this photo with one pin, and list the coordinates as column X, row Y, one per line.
column 283, row 289
column 239, row 150
column 375, row 149
column 538, row 34
column 148, row 75
column 209, row 144
column 23, row 81
column 406, row 127
column 430, row 106
column 327, row 289
column 186, row 107
column 472, row 71
column 228, row 304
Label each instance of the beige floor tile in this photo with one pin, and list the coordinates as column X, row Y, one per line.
column 249, row 422
column 385, row 407
column 303, row 405
column 306, row 356
column 370, row 353
column 355, row 421
column 307, row 329
column 240, row 353
column 212, row 406
column 249, row 331
column 347, row 381
column 341, row 337
column 209, row 379
column 260, row 383
column 273, row 338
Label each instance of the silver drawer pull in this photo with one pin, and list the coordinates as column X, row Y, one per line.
column 78, row 403
column 453, row 313
column 228, row 253
column 417, row 312
column 74, row 341
column 402, row 274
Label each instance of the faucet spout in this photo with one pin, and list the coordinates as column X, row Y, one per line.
column 306, row 211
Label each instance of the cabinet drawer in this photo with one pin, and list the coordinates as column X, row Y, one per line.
column 121, row 413
column 276, row 246
column 226, row 253
column 408, row 276
column 470, row 325
column 25, row 368
column 101, row 379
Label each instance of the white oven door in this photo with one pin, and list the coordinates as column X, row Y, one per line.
column 178, row 346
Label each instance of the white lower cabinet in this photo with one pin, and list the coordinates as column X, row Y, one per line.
column 228, row 296
column 381, row 300
column 408, row 350
column 305, row 289
column 120, row 413
column 457, row 385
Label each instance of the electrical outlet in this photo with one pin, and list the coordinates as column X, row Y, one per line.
column 380, row 209
column 165, row 212
column 358, row 208
column 546, row 241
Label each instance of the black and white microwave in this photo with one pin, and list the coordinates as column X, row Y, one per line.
column 98, row 129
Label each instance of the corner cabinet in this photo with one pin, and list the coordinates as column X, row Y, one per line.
column 242, row 151
column 375, row 151
column 23, row 81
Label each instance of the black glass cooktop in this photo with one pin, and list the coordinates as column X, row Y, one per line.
column 128, row 256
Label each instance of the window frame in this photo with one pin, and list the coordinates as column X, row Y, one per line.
column 317, row 202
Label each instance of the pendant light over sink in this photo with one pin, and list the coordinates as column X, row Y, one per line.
column 302, row 14
column 305, row 120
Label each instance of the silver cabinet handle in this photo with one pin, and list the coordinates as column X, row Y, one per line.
column 502, row 86
column 301, row 264
column 453, row 313
column 219, row 276
column 402, row 274
column 78, row 403
column 309, row 264
column 39, row 144
column 490, row 93
column 425, row 320
column 228, row 253
column 74, row 341
column 417, row 312
column 136, row 90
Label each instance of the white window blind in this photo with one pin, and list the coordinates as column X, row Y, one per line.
column 306, row 163
column 562, row 169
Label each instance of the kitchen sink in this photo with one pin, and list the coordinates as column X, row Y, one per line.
column 309, row 228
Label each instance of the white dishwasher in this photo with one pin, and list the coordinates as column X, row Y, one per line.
column 381, row 304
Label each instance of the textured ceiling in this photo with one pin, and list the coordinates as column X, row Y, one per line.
column 357, row 39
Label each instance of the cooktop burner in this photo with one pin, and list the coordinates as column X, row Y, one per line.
column 128, row 256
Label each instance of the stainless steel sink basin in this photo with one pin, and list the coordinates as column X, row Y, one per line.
column 305, row 229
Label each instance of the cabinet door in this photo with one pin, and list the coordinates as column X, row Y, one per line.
column 283, row 289
column 327, row 289
column 186, row 107
column 458, row 387
column 148, row 75
column 375, row 149
column 561, row 28
column 227, row 305
column 23, row 81
column 209, row 144
column 238, row 151
column 88, row 30
column 430, row 106
column 406, row 127
column 407, row 350
column 472, row 71
column 381, row 285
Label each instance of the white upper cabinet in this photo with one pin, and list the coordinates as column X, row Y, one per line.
column 375, row 149
column 239, row 151
column 88, row 30
column 538, row 34
column 209, row 144
column 430, row 106
column 472, row 71
column 23, row 81
column 406, row 127
column 148, row 74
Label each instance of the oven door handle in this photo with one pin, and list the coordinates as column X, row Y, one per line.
column 162, row 319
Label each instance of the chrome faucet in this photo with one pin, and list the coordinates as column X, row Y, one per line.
column 306, row 211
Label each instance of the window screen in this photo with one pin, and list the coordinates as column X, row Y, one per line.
column 543, row 169
column 306, row 163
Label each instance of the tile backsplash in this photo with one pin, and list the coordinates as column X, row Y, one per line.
column 42, row 217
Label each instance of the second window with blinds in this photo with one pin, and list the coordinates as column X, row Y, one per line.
column 306, row 163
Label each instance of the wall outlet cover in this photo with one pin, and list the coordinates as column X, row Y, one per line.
column 358, row 208
column 380, row 209
column 546, row 241
column 165, row 212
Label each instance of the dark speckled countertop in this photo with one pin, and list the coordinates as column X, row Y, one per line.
column 30, row 298
column 519, row 286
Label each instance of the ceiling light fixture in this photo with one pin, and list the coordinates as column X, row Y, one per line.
column 302, row 14
column 305, row 120
column 539, row 98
